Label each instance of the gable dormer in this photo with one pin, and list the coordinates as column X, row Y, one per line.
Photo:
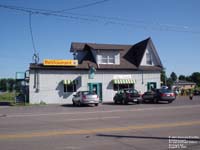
column 101, row 53
column 106, row 54
column 150, row 56
column 111, row 57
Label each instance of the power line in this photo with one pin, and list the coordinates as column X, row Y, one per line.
column 106, row 20
column 80, row 6
column 27, row 9
column 31, row 32
column 140, row 23
column 44, row 12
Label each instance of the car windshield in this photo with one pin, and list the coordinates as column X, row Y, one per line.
column 88, row 93
column 149, row 92
column 131, row 91
column 120, row 91
column 165, row 91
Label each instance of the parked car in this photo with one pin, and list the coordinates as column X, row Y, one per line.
column 149, row 96
column 159, row 95
column 127, row 95
column 85, row 97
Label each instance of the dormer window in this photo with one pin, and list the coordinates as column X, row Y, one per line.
column 108, row 59
column 148, row 58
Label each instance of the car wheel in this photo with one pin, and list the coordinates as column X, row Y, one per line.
column 124, row 102
column 144, row 101
column 138, row 102
column 155, row 101
column 170, row 101
column 79, row 103
column 96, row 104
column 121, row 101
column 74, row 104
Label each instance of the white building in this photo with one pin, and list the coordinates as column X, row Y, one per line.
column 105, row 68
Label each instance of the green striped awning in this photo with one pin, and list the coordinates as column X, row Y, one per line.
column 123, row 81
column 68, row 82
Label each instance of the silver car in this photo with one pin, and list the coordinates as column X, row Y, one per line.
column 85, row 97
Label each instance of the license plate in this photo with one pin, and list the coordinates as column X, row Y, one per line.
column 168, row 94
column 135, row 100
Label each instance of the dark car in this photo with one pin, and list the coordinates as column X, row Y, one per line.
column 127, row 95
column 159, row 95
column 149, row 96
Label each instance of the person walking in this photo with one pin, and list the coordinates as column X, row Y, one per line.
column 190, row 94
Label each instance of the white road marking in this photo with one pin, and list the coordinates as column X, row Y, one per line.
column 106, row 111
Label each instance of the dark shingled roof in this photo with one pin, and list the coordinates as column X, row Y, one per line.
column 130, row 57
column 136, row 52
column 76, row 46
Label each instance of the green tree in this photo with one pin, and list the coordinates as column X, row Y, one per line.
column 196, row 78
column 188, row 78
column 3, row 85
column 169, row 82
column 10, row 84
column 182, row 77
column 163, row 76
column 173, row 76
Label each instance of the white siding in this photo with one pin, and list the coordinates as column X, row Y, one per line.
column 51, row 84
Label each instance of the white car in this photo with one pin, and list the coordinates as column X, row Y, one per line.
column 85, row 97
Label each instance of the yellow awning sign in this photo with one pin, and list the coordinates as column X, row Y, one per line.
column 60, row 62
column 123, row 81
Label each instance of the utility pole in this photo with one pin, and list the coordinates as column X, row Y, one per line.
column 165, row 76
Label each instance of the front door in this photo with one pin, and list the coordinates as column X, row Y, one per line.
column 97, row 88
column 151, row 86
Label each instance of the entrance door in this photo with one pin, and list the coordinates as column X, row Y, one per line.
column 151, row 86
column 97, row 88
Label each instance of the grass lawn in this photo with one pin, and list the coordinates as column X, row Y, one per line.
column 7, row 97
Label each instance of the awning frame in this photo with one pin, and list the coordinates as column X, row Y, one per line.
column 123, row 81
column 68, row 82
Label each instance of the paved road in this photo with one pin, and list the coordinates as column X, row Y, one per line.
column 108, row 126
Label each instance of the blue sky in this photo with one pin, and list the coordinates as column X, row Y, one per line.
column 173, row 25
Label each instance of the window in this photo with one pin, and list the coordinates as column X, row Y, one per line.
column 148, row 59
column 69, row 87
column 104, row 60
column 65, row 88
column 109, row 59
column 118, row 87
